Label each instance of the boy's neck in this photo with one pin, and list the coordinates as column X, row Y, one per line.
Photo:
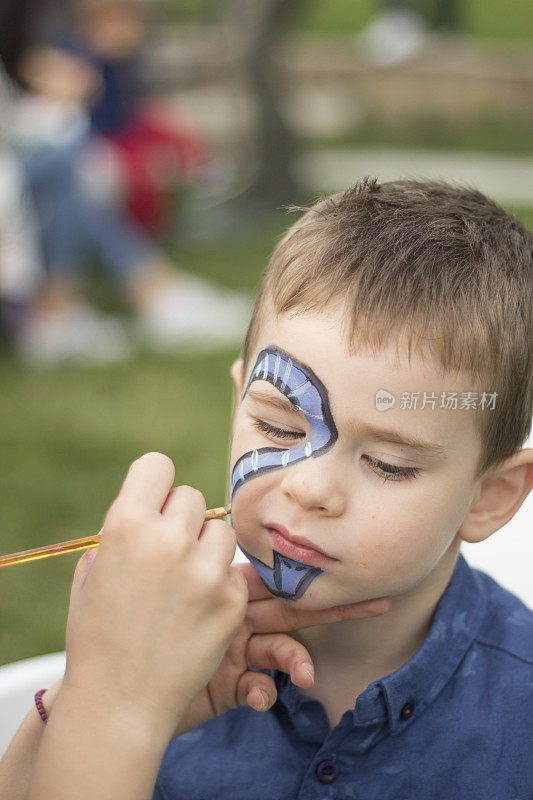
column 354, row 653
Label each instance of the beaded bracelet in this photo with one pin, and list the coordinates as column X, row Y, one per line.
column 39, row 703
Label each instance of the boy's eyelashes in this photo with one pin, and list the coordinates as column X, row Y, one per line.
column 278, row 433
column 386, row 471
column 391, row 471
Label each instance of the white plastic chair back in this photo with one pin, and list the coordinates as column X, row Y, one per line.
column 18, row 683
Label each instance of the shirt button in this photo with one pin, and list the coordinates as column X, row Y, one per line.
column 327, row 771
column 407, row 711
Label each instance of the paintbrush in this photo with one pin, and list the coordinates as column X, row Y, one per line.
column 49, row 550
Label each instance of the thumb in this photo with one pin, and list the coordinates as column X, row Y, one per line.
column 83, row 567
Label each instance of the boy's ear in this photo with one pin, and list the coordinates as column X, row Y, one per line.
column 237, row 373
column 499, row 497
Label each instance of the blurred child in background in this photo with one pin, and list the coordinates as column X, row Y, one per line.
column 151, row 148
column 81, row 218
column 21, row 268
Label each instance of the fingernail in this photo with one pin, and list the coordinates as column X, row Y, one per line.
column 264, row 700
column 308, row 667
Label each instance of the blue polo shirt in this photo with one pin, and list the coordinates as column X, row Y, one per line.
column 455, row 722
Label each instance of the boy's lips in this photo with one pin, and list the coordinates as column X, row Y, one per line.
column 297, row 547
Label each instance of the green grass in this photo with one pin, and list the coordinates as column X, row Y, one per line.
column 490, row 135
column 68, row 436
column 525, row 215
column 489, row 19
column 484, row 19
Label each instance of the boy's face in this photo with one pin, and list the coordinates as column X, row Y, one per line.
column 319, row 475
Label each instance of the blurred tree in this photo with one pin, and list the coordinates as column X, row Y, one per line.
column 260, row 26
column 27, row 22
column 15, row 18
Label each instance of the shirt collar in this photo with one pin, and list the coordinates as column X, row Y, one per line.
column 403, row 695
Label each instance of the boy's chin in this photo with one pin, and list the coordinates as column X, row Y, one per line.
column 318, row 601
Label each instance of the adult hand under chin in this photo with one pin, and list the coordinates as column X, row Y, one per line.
column 269, row 614
column 262, row 642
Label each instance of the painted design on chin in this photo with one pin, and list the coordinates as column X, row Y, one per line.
column 287, row 578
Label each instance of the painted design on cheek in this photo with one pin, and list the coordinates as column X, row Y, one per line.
column 307, row 394
column 287, row 578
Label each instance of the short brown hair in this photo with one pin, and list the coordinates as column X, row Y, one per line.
column 429, row 260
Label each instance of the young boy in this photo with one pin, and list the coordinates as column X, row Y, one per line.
column 382, row 400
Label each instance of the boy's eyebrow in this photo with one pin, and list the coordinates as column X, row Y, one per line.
column 388, row 435
column 404, row 439
column 278, row 400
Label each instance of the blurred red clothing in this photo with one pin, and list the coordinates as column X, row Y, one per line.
column 155, row 152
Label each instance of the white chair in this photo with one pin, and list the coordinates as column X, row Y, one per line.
column 18, row 683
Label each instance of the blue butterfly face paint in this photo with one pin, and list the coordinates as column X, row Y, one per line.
column 287, row 578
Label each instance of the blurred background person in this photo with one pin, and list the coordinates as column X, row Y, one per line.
column 52, row 136
column 21, row 265
column 48, row 128
column 153, row 151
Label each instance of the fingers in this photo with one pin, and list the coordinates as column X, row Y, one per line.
column 81, row 573
column 256, row 588
column 279, row 651
column 181, row 496
column 83, row 567
column 146, row 491
column 217, row 544
column 186, row 506
column 256, row 690
column 279, row 613
column 276, row 651
column 265, row 616
column 147, row 484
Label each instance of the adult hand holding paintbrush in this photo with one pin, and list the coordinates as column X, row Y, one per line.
column 162, row 634
column 152, row 612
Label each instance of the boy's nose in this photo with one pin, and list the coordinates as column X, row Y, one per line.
column 314, row 486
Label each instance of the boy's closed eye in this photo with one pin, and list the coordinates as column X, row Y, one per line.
column 380, row 468
column 278, row 432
